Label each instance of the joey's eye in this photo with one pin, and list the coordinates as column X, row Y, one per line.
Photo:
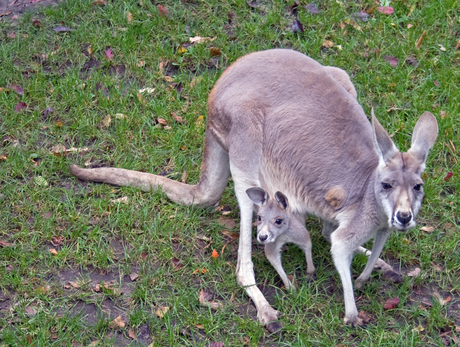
column 259, row 218
column 278, row 221
column 386, row 186
column 418, row 187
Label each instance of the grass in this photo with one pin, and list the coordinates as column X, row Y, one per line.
column 48, row 299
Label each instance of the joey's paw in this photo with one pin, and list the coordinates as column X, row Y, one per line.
column 392, row 276
column 354, row 321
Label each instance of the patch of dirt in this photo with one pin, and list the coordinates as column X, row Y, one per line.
column 10, row 9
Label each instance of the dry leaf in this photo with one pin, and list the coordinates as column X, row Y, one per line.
column 117, row 323
column 59, row 150
column 148, row 90
column 195, row 81
column 140, row 98
column 3, row 157
column 129, row 16
column 106, row 121
column 177, row 118
column 215, row 52
column 414, row 273
column 161, row 311
column 19, row 106
column 418, row 329
column 57, row 240
column 328, row 44
column 53, row 251
column 440, row 299
column 169, row 79
column 163, row 10
column 59, row 124
column 364, row 316
column 120, row 116
column 199, row 39
column 391, row 60
column 132, row 334
column 203, row 298
column 123, row 200
column 442, row 48
column 74, row 284
column 391, row 303
column 353, row 24
column 162, row 121
column 134, row 276
column 100, row 2
column 181, row 50
column 184, row 177
column 226, row 222
column 199, row 120
column 409, row 26
column 215, row 254
column 233, row 236
column 297, row 27
column 141, row 63
column 443, row 114
column 428, row 229
column 418, row 44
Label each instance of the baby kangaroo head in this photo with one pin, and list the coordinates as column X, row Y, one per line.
column 273, row 217
column 398, row 186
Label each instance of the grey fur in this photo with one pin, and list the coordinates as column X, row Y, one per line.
column 281, row 116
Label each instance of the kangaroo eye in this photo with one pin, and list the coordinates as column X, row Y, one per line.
column 418, row 187
column 259, row 218
column 386, row 186
column 278, row 221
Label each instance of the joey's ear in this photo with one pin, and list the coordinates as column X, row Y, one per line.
column 282, row 200
column 424, row 136
column 383, row 143
column 257, row 195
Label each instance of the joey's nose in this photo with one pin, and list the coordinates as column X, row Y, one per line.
column 404, row 217
column 262, row 238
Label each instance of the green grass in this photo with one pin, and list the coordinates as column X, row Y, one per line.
column 164, row 243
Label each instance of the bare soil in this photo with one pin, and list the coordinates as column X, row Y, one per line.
column 10, row 9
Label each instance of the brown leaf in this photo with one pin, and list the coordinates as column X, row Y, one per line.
column 391, row 303
column 204, row 298
column 169, row 79
column 199, row 39
column 106, row 121
column 418, row 44
column 59, row 150
column 328, row 44
column 161, row 311
column 226, row 222
column 74, row 284
column 132, row 334
column 4, row 244
column 134, row 276
column 53, row 251
column 57, row 240
column 391, row 60
column 19, row 106
column 100, row 2
column 428, row 229
column 59, row 124
column 141, row 99
column 129, row 16
column 443, row 114
column 364, row 316
column 215, row 52
column 3, row 157
column 177, row 118
column 440, row 299
column 162, row 121
column 233, row 236
column 117, row 323
column 163, row 11
column 414, row 273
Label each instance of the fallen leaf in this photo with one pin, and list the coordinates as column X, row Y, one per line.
column 297, row 27
column 199, row 39
column 215, row 254
column 53, row 251
column 47, row 111
column 311, row 8
column 226, row 222
column 177, row 118
column 440, row 299
column 163, row 11
column 181, row 50
column 18, row 89
column 129, row 16
column 443, row 114
column 162, row 121
column 436, row 83
column 100, row 2
column 109, row 54
column 386, row 10
column 59, row 124
column 204, row 297
column 391, row 303
column 117, row 323
column 391, row 60
column 195, row 81
column 9, row 12
column 199, row 120
column 328, row 44
column 428, row 229
column 161, row 311
column 418, row 44
column 252, row 4
column 134, row 276
column 362, row 16
column 40, row 181
column 11, row 35
column 442, row 48
column 414, row 273
column 215, row 52
column 59, row 150
column 57, row 240
column 61, row 28
column 216, row 344
column 169, row 79
column 409, row 26
column 106, row 121
column 353, row 24
column 132, row 334
column 229, row 234
column 74, row 284
column 4, row 244
column 412, row 61
column 123, row 200
column 141, row 63
column 19, row 106
column 448, row 176
column 120, row 116
column 418, row 329
column 364, row 316
column 3, row 157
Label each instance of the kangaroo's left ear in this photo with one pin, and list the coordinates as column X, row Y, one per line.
column 383, row 143
column 424, row 136
column 282, row 200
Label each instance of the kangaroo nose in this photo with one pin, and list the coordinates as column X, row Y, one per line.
column 404, row 217
column 262, row 238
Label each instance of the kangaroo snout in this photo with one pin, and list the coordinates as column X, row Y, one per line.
column 262, row 238
column 404, row 217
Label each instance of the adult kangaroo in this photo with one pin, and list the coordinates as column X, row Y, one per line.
column 281, row 117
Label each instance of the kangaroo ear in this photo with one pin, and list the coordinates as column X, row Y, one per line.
column 424, row 136
column 257, row 195
column 383, row 143
column 282, row 200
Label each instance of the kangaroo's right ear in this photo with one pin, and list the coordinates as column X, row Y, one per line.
column 257, row 195
column 282, row 200
column 383, row 143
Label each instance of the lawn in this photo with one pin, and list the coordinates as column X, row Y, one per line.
column 125, row 84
